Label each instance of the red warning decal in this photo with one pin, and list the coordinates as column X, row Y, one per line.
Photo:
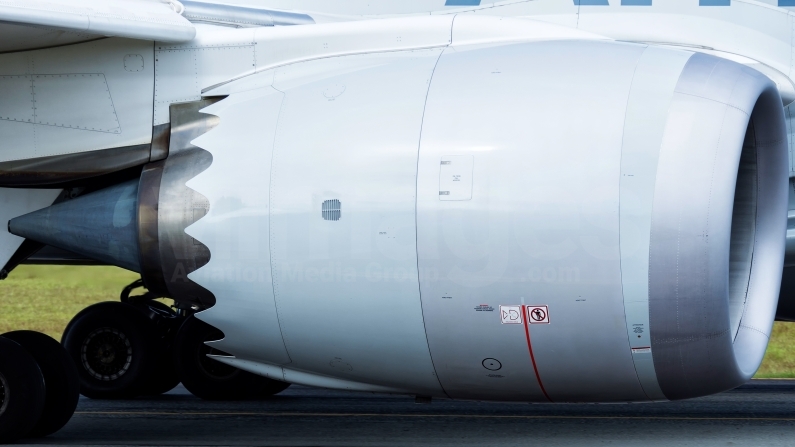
column 538, row 314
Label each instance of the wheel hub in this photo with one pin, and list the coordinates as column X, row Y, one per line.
column 106, row 354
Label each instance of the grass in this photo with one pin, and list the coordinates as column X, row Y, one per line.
column 779, row 359
column 45, row 298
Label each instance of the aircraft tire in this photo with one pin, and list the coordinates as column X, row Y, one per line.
column 114, row 346
column 61, row 382
column 210, row 379
column 22, row 391
column 164, row 378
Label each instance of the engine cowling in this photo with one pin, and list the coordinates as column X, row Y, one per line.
column 609, row 190
column 370, row 214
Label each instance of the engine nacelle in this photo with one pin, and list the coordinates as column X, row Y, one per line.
column 628, row 192
column 391, row 221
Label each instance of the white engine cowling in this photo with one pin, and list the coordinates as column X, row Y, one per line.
column 606, row 187
column 399, row 221
column 639, row 193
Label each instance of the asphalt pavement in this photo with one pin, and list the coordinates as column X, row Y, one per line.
column 761, row 413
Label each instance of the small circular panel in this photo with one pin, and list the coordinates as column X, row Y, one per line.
column 492, row 364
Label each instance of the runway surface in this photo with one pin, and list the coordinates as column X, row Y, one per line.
column 761, row 413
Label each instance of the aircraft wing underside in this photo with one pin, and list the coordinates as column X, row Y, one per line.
column 26, row 24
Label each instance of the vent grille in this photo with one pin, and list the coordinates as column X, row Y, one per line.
column 331, row 210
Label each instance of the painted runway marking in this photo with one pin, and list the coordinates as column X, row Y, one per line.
column 408, row 415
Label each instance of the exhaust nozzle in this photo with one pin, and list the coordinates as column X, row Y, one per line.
column 101, row 225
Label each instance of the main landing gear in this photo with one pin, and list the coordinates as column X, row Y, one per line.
column 113, row 350
column 141, row 347
column 122, row 350
column 39, row 387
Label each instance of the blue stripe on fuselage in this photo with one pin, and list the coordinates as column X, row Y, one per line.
column 462, row 3
column 648, row 2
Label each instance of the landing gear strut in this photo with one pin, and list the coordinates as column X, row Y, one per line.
column 142, row 347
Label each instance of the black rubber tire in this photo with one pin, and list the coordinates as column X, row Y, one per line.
column 23, row 391
column 210, row 379
column 62, row 385
column 114, row 347
column 168, row 323
column 165, row 377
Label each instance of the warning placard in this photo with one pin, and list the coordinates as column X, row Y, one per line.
column 538, row 314
column 511, row 314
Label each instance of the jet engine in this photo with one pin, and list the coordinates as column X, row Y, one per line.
column 563, row 220
column 139, row 224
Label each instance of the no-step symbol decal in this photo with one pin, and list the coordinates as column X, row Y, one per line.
column 538, row 314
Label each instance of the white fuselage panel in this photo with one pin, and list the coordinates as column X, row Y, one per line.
column 77, row 98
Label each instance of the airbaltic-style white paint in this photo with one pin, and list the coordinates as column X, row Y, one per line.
column 282, row 46
column 147, row 20
column 183, row 70
column 239, row 272
column 753, row 29
column 542, row 226
column 635, row 378
column 400, row 292
column 276, row 47
column 303, row 378
column 653, row 84
column 327, row 274
column 547, row 116
column 76, row 98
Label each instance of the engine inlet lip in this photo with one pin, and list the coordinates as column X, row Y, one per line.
column 718, row 108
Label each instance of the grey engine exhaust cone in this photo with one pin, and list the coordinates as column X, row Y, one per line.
column 101, row 225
